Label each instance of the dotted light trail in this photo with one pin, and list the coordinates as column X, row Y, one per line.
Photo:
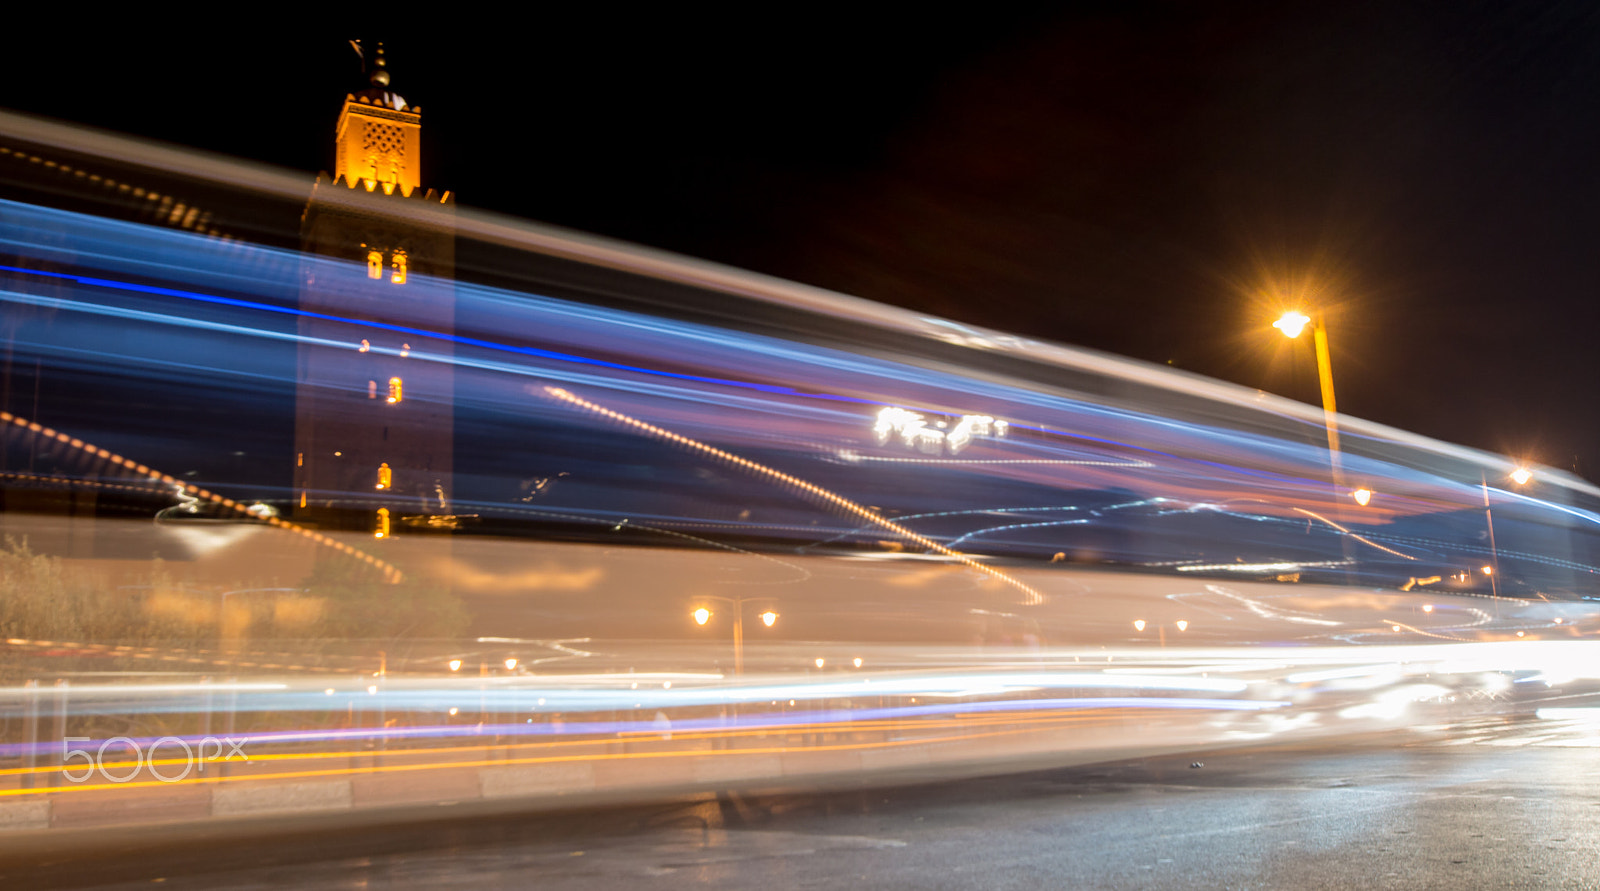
column 1031, row 596
column 390, row 573
column 1360, row 538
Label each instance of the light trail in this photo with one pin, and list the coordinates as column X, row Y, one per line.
column 592, row 738
column 1031, row 595
column 1364, row 540
column 391, row 573
column 508, row 762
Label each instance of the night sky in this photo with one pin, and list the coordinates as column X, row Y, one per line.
column 1155, row 180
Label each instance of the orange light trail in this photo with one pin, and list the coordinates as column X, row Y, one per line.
column 1041, row 717
column 1363, row 539
column 505, row 762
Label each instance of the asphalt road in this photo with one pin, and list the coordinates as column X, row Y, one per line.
column 1498, row 803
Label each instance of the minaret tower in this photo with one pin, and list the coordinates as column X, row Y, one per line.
column 373, row 406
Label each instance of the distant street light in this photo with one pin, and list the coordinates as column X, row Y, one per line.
column 1520, row 476
column 1183, row 624
column 1494, row 550
column 1138, row 624
column 1362, row 496
column 703, row 615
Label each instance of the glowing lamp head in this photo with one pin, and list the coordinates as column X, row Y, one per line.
column 511, row 664
column 1488, row 570
column 1138, row 624
column 1183, row 624
column 1362, row 496
column 857, row 660
column 702, row 616
column 455, row 664
column 1292, row 323
column 1521, row 475
column 768, row 617
column 1427, row 607
column 819, row 662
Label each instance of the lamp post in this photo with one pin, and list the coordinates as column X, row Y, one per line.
column 702, row 615
column 1520, row 476
column 1292, row 324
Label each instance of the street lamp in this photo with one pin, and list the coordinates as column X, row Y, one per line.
column 702, row 615
column 1520, row 476
column 1291, row 324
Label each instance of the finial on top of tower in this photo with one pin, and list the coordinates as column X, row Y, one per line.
column 378, row 74
column 380, row 69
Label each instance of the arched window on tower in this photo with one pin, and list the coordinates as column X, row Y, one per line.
column 396, row 390
column 374, row 264
column 381, row 528
column 385, row 476
column 399, row 264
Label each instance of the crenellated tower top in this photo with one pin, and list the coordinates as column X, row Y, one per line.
column 379, row 137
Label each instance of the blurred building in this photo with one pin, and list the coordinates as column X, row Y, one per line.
column 373, row 403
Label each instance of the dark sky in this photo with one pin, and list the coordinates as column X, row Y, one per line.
column 1151, row 179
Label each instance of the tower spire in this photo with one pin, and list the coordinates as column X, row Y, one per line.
column 378, row 71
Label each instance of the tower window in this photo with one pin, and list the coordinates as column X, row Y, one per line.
column 372, row 389
column 385, row 476
column 398, row 276
column 365, row 346
column 396, row 390
column 381, row 528
column 374, row 264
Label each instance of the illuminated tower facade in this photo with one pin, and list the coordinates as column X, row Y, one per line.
column 373, row 404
